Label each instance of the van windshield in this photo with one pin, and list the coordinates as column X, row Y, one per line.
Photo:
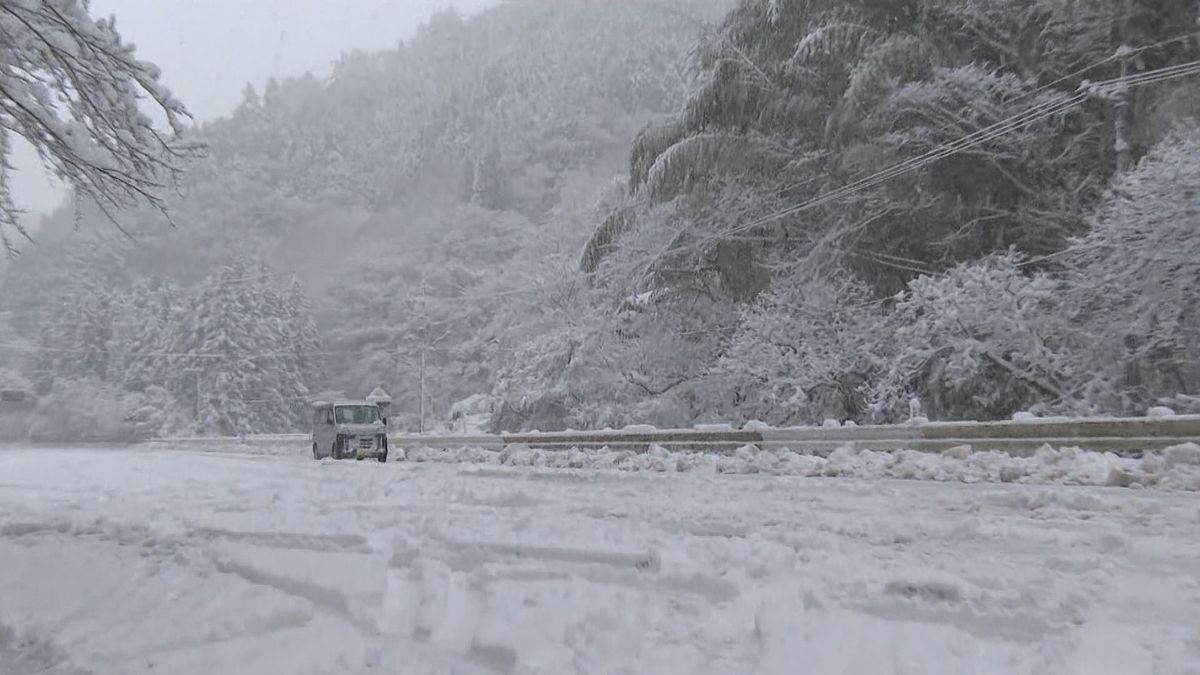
column 356, row 414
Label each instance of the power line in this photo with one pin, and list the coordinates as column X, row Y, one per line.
column 974, row 139
column 981, row 136
column 1109, row 59
column 396, row 351
column 1050, row 85
column 1115, row 85
column 967, row 142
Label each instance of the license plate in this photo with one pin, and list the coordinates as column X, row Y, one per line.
column 363, row 454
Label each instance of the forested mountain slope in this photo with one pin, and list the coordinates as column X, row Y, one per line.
column 459, row 166
column 830, row 185
column 810, row 210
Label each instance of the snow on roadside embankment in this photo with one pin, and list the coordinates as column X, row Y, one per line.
column 1177, row 468
column 281, row 445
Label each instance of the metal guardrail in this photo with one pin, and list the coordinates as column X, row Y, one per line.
column 1126, row 436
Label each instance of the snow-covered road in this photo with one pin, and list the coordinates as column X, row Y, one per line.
column 132, row 561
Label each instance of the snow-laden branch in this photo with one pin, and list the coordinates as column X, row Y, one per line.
column 72, row 89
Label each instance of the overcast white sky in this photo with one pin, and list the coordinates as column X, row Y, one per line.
column 209, row 49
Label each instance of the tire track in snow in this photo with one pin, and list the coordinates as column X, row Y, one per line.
column 381, row 645
column 353, row 543
column 428, row 603
column 438, row 594
column 200, row 541
column 322, row 597
column 473, row 554
column 124, row 534
column 33, row 656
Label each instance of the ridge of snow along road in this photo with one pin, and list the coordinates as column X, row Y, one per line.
column 1176, row 468
column 1022, row 435
column 1159, row 451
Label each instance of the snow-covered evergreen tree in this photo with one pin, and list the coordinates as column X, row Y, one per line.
column 284, row 382
column 76, row 341
column 302, row 338
column 135, row 335
column 221, row 345
column 156, row 351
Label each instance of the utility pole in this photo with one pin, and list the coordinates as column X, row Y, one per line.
column 1123, row 106
column 196, row 407
column 426, row 347
column 1122, row 118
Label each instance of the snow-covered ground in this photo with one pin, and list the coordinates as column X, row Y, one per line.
column 150, row 561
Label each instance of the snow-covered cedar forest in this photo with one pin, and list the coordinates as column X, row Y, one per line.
column 647, row 212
